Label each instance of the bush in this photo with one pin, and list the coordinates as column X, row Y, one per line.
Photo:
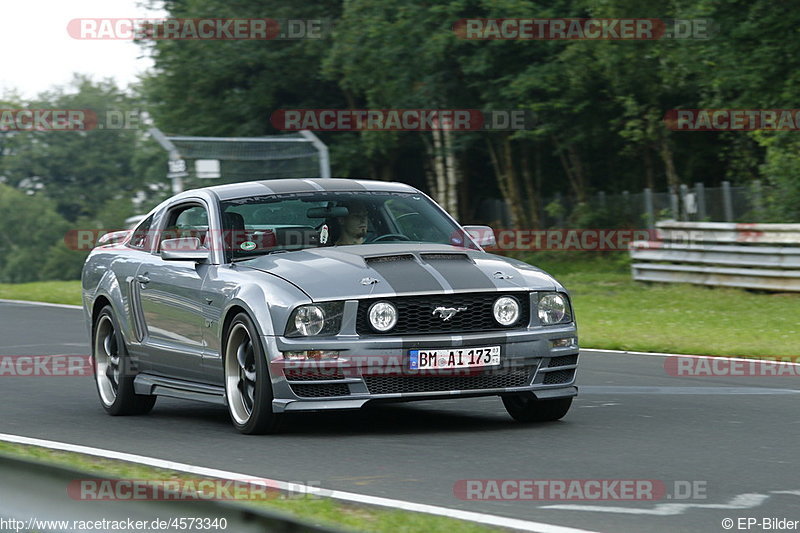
column 29, row 228
column 781, row 170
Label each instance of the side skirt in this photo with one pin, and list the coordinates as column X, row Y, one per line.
column 175, row 388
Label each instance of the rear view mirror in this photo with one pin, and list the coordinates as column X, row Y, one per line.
column 327, row 212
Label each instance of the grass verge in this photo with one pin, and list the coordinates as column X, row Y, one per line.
column 323, row 511
column 54, row 292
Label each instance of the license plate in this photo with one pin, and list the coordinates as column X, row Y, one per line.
column 454, row 358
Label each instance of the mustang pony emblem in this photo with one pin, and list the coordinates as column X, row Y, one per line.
column 446, row 313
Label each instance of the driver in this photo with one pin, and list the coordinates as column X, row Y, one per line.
column 353, row 227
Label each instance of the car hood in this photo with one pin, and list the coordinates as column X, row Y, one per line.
column 384, row 270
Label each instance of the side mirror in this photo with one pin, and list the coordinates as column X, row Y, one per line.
column 482, row 235
column 112, row 237
column 183, row 249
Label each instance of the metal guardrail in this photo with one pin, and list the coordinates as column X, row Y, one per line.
column 753, row 256
column 31, row 491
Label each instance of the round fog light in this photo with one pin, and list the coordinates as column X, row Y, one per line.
column 506, row 310
column 382, row 316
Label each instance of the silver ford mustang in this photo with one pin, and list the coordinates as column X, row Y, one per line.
column 316, row 294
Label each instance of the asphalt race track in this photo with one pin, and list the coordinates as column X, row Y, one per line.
column 736, row 436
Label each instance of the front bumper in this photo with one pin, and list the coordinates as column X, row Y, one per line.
column 377, row 369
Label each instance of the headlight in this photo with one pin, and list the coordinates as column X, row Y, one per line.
column 309, row 320
column 315, row 319
column 382, row 316
column 554, row 309
column 506, row 310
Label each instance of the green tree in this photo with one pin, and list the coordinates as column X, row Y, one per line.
column 29, row 229
column 78, row 170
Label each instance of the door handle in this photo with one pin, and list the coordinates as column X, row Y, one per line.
column 144, row 280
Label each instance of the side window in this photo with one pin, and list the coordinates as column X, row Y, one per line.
column 190, row 220
column 142, row 235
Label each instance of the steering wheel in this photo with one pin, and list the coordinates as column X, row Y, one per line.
column 398, row 236
column 398, row 218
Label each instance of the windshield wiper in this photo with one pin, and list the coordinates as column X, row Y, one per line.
column 258, row 254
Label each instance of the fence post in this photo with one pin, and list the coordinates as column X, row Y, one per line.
column 727, row 200
column 700, row 191
column 758, row 201
column 674, row 205
column 648, row 208
column 684, row 191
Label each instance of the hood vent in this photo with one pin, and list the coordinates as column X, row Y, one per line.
column 445, row 257
column 389, row 258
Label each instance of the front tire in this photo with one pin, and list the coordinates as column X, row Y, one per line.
column 525, row 407
column 248, row 389
column 112, row 366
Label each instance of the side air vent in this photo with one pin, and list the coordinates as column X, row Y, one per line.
column 389, row 258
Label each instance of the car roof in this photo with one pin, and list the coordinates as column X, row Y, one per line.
column 296, row 185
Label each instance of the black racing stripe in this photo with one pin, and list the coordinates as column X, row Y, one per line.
column 406, row 276
column 461, row 274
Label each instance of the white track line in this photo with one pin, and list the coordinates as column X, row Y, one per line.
column 741, row 501
column 46, row 304
column 492, row 520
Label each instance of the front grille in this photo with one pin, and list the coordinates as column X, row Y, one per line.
column 563, row 360
column 321, row 390
column 394, row 384
column 299, row 374
column 415, row 313
column 559, row 376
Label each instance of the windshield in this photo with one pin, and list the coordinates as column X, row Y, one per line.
column 258, row 225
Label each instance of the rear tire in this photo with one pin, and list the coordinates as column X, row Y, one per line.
column 112, row 369
column 525, row 407
column 248, row 389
